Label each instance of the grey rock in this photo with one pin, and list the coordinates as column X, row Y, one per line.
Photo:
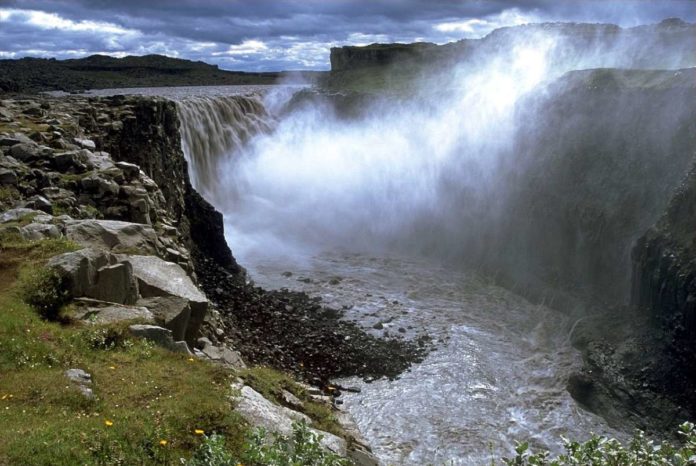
column 112, row 235
column 82, row 380
column 70, row 160
column 15, row 215
column 171, row 312
column 115, row 284
column 78, row 376
column 34, row 110
column 8, row 177
column 39, row 231
column 202, row 342
column 5, row 115
column 158, row 335
column 85, row 143
column 232, row 358
column 291, row 400
column 39, row 203
column 80, row 268
column 114, row 313
column 130, row 170
column 157, row 277
column 99, row 160
column 101, row 186
column 259, row 412
column 361, row 456
column 29, row 151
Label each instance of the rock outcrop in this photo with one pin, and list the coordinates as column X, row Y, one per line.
column 664, row 286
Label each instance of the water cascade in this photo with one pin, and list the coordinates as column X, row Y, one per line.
column 479, row 167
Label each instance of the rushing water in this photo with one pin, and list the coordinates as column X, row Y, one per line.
column 500, row 365
column 498, row 373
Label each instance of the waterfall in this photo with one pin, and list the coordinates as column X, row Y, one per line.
column 215, row 127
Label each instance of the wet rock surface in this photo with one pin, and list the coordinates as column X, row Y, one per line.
column 293, row 332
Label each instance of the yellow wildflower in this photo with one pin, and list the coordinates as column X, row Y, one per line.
column 112, row 367
column 163, row 442
column 108, row 423
column 190, row 359
column 199, row 432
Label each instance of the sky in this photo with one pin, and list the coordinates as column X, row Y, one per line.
column 271, row 35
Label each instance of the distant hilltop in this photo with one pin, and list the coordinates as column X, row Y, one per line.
column 670, row 33
column 101, row 72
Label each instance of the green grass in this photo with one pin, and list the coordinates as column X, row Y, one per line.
column 148, row 394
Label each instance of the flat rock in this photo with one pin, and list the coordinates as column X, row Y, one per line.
column 15, row 215
column 259, row 412
column 157, row 277
column 112, row 235
column 114, row 313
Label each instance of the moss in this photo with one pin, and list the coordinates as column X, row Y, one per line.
column 8, row 196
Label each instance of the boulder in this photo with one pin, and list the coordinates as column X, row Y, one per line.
column 157, row 277
column 98, row 185
column 115, row 284
column 171, row 312
column 75, row 160
column 159, row 336
column 130, row 170
column 39, row 203
column 259, row 412
column 8, row 177
column 29, row 151
column 5, row 115
column 80, row 268
column 99, row 160
column 112, row 235
column 34, row 110
column 223, row 356
column 82, row 380
column 39, row 231
column 15, row 215
column 85, row 143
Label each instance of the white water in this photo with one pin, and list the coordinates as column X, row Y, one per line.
column 389, row 188
column 498, row 373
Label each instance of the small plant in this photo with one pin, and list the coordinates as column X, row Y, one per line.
column 211, row 452
column 602, row 451
column 44, row 290
column 302, row 448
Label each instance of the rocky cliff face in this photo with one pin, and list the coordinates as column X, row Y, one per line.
column 145, row 131
column 664, row 285
column 641, row 45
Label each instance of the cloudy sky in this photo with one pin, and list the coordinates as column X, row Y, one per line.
column 267, row 35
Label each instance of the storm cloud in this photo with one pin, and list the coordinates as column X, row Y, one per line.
column 264, row 35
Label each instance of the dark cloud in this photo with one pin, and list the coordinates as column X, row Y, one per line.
column 282, row 34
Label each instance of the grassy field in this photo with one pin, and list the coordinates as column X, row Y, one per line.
column 150, row 406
